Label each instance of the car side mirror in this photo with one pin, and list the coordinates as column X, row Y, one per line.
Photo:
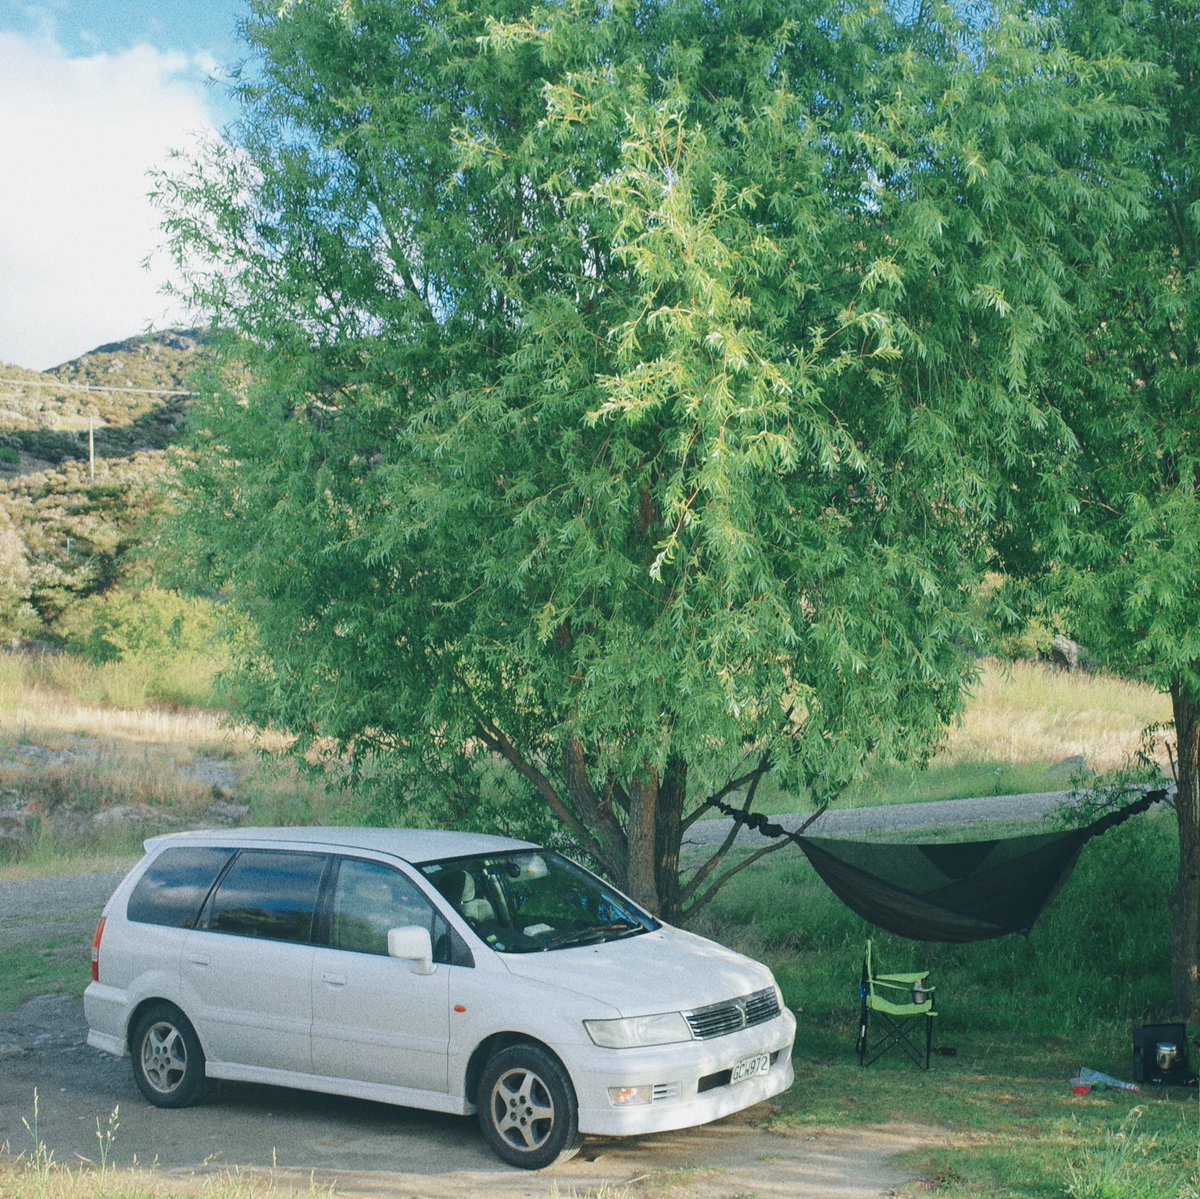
column 412, row 944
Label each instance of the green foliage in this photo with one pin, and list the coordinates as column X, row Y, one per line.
column 16, row 616
column 175, row 643
column 68, row 525
column 1124, row 563
column 632, row 389
column 74, row 532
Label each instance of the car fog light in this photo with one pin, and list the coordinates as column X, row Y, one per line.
column 629, row 1096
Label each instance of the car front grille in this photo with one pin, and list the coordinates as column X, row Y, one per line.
column 720, row 1019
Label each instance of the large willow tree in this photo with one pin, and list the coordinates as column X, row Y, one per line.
column 1127, row 562
column 632, row 387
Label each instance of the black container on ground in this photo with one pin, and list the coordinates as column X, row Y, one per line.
column 1160, row 1055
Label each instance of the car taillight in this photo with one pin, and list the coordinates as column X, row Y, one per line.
column 96, row 950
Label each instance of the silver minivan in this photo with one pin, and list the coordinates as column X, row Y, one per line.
column 449, row 971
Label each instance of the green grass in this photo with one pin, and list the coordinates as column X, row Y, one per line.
column 55, row 965
column 47, row 858
column 1022, row 1013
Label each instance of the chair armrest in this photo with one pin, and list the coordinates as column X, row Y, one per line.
column 904, row 989
column 903, row 978
column 903, row 1008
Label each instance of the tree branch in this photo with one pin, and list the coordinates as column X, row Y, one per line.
column 495, row 739
column 718, row 883
column 705, row 870
column 730, row 787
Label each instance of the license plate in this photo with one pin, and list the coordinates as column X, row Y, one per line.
column 750, row 1067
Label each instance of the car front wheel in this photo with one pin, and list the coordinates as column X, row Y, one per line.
column 527, row 1108
column 168, row 1063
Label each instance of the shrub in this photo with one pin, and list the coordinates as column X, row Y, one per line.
column 174, row 642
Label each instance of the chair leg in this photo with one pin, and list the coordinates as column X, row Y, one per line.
column 894, row 1034
column 862, row 1034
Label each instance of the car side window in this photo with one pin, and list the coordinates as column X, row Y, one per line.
column 175, row 884
column 368, row 899
column 268, row 894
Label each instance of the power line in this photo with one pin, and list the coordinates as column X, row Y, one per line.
column 154, row 391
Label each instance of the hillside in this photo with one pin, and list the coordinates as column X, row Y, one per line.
column 81, row 450
column 117, row 389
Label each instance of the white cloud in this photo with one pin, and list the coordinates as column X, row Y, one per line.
column 77, row 138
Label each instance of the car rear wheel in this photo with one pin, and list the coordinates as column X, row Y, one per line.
column 527, row 1108
column 168, row 1063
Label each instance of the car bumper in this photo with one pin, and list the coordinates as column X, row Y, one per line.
column 688, row 1084
column 105, row 1009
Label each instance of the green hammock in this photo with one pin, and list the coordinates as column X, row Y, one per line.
column 960, row 891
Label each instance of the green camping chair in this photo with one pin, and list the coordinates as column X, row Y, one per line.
column 894, row 1003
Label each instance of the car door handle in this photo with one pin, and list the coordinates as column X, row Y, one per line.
column 198, row 959
column 334, row 980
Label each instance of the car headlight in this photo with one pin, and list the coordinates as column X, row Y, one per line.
column 635, row 1031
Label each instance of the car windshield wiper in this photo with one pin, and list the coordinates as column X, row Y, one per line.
column 595, row 935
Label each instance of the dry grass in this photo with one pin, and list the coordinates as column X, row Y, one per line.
column 75, row 740
column 73, row 743
column 59, row 701
column 46, row 697
column 1022, row 712
column 1026, row 712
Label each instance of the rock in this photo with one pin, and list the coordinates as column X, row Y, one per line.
column 216, row 773
column 1066, row 654
column 14, row 842
column 16, row 836
column 224, row 814
column 1069, row 766
column 132, row 818
column 43, row 757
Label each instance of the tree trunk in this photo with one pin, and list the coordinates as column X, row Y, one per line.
column 668, row 833
column 641, row 879
column 1185, row 924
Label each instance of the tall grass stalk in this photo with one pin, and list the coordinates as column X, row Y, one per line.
column 1121, row 1167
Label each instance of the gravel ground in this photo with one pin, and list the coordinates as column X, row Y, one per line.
column 901, row 818
column 52, row 899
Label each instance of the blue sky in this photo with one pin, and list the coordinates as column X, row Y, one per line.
column 93, row 95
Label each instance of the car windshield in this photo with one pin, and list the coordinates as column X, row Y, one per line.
column 531, row 901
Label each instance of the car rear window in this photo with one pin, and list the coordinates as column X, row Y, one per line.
column 175, row 884
column 266, row 893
